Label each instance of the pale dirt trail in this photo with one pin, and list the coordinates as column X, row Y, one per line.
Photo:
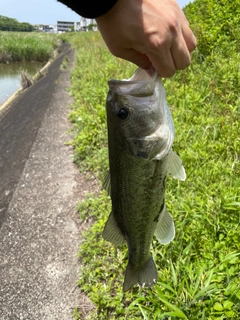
column 40, row 186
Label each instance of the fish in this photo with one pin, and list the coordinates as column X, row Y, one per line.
column 140, row 139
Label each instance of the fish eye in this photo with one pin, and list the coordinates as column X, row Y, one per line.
column 123, row 113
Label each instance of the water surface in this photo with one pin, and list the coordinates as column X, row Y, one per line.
column 10, row 79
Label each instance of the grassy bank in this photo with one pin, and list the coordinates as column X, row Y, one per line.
column 199, row 271
column 16, row 46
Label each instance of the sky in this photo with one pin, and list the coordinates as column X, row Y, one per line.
column 43, row 11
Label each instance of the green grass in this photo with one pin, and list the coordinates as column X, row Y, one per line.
column 16, row 46
column 199, row 274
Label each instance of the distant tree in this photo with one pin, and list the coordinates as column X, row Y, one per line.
column 91, row 26
column 27, row 27
column 10, row 24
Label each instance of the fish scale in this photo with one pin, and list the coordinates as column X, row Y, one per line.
column 138, row 196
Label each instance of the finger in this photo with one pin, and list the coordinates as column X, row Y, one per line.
column 189, row 38
column 136, row 57
column 163, row 63
column 187, row 33
column 180, row 53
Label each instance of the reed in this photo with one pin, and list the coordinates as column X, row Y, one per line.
column 16, row 46
column 26, row 80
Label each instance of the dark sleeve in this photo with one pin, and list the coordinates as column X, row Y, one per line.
column 89, row 8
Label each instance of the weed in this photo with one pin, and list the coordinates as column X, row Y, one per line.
column 65, row 63
column 26, row 80
column 199, row 271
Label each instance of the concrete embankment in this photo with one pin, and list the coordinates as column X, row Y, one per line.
column 40, row 231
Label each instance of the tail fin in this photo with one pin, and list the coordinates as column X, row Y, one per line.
column 145, row 276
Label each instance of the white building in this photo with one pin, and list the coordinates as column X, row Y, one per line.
column 64, row 26
column 86, row 24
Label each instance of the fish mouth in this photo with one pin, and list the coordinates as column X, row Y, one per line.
column 141, row 84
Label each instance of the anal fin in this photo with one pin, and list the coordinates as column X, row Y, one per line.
column 165, row 230
column 112, row 232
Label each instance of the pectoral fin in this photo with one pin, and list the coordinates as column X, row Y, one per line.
column 112, row 232
column 165, row 231
column 175, row 167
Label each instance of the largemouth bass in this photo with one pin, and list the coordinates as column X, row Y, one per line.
column 140, row 139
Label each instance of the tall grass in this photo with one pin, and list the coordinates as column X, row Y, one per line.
column 16, row 46
column 199, row 271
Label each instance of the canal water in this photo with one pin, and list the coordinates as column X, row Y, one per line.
column 10, row 78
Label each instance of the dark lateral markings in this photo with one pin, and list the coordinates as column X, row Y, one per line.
column 19, row 127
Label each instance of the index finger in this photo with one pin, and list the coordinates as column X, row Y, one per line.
column 163, row 63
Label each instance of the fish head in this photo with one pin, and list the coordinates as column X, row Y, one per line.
column 136, row 114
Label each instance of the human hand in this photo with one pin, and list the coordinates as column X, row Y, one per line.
column 149, row 33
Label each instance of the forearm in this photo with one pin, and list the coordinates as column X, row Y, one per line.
column 89, row 8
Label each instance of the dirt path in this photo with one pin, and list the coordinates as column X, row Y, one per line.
column 40, row 186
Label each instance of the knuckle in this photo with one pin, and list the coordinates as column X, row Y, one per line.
column 173, row 26
column 155, row 42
